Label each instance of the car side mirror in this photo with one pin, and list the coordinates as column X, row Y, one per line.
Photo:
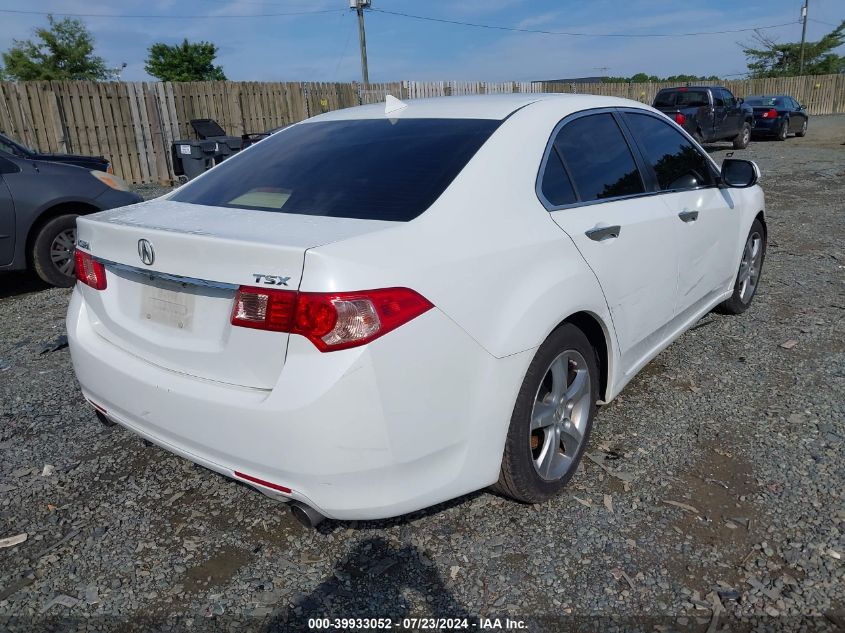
column 739, row 173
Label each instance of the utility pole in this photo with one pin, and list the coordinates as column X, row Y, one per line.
column 803, row 36
column 359, row 6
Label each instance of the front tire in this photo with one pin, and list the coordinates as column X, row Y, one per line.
column 552, row 418
column 750, row 270
column 742, row 139
column 53, row 251
column 783, row 131
column 803, row 131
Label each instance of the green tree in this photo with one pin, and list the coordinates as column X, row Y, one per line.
column 767, row 58
column 688, row 78
column 645, row 77
column 64, row 50
column 188, row 61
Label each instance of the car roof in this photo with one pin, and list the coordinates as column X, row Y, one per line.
column 496, row 107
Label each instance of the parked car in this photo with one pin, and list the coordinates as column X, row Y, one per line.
column 39, row 203
column 385, row 307
column 708, row 113
column 100, row 163
column 778, row 116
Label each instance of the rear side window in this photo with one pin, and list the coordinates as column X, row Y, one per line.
column 556, row 185
column 373, row 169
column 598, row 158
column 676, row 162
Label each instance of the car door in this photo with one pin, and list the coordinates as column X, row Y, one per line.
column 704, row 220
column 733, row 113
column 720, row 113
column 7, row 214
column 796, row 116
column 594, row 189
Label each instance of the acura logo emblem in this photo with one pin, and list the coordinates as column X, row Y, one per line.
column 146, row 252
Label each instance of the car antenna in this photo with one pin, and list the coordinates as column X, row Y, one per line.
column 392, row 104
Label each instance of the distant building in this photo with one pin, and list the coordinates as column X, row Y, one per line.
column 576, row 80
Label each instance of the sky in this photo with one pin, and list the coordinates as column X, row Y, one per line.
column 265, row 46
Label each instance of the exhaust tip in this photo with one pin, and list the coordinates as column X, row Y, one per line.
column 306, row 515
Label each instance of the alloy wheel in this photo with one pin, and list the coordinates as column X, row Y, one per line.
column 560, row 414
column 61, row 251
column 749, row 267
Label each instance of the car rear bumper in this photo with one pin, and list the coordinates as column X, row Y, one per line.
column 413, row 419
column 766, row 126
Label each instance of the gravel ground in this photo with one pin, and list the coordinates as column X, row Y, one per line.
column 713, row 499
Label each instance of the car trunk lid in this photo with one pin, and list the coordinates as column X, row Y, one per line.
column 172, row 273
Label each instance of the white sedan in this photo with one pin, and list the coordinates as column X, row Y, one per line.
column 385, row 307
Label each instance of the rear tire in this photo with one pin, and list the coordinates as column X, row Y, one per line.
column 750, row 271
column 803, row 131
column 783, row 131
column 552, row 418
column 53, row 251
column 742, row 139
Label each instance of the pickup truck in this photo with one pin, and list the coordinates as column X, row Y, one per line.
column 708, row 113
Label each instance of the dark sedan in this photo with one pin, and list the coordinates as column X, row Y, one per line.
column 778, row 116
column 39, row 203
column 9, row 146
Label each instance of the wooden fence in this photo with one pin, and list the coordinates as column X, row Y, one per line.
column 134, row 124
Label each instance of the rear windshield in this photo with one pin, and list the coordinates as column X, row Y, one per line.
column 374, row 169
column 681, row 99
column 764, row 101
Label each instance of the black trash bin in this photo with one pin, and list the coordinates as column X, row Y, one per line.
column 192, row 158
column 210, row 130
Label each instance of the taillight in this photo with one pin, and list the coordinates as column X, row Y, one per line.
column 771, row 114
column 264, row 309
column 330, row 320
column 89, row 271
column 680, row 119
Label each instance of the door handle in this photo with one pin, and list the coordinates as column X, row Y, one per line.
column 601, row 233
column 688, row 216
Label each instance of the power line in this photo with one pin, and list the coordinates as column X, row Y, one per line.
column 822, row 22
column 173, row 17
column 572, row 33
column 343, row 53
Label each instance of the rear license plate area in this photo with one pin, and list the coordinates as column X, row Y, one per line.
column 169, row 304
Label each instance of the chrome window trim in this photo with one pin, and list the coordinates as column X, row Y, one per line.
column 538, row 185
column 154, row 274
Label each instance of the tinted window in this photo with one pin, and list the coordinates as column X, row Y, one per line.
column 370, row 169
column 764, row 101
column 719, row 99
column 598, row 158
column 681, row 98
column 676, row 162
column 556, row 186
